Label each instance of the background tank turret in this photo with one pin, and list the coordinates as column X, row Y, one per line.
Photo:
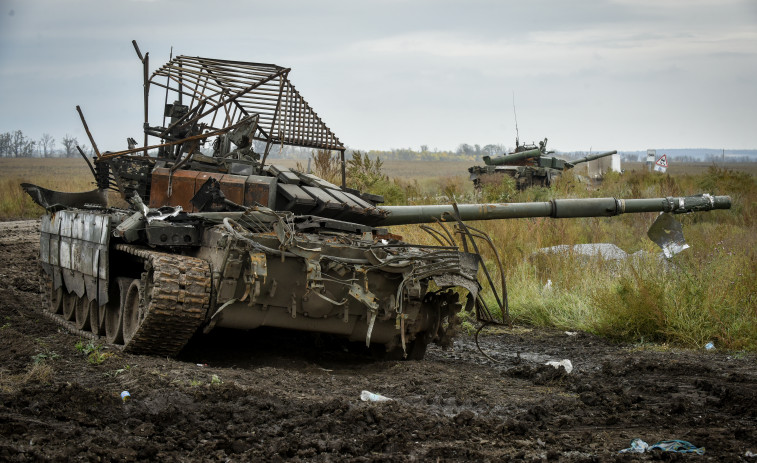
column 528, row 165
column 222, row 239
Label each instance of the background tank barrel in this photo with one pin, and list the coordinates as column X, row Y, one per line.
column 512, row 157
column 557, row 208
column 592, row 157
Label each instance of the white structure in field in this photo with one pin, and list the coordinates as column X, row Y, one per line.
column 651, row 158
column 598, row 167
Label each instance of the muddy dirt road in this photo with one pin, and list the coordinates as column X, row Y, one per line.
column 272, row 396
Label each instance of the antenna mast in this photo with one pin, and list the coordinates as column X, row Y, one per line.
column 517, row 136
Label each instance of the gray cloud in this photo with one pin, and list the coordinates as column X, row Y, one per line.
column 601, row 74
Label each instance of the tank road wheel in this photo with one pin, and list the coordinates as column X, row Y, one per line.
column 55, row 304
column 114, row 329
column 131, row 317
column 82, row 314
column 96, row 317
column 114, row 332
column 70, row 301
column 53, row 297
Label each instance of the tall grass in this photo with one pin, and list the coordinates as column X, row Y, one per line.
column 52, row 173
column 706, row 293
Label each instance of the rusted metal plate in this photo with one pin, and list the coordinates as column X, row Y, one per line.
column 173, row 190
column 200, row 180
column 259, row 190
column 183, row 185
column 159, row 187
column 232, row 187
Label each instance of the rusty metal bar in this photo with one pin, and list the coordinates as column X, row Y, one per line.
column 168, row 80
column 145, row 70
column 86, row 129
column 171, row 143
column 344, row 172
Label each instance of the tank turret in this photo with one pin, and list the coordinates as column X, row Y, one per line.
column 512, row 157
column 529, row 167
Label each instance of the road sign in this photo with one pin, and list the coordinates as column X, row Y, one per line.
column 651, row 156
column 661, row 164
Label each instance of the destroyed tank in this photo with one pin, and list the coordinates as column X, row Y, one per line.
column 223, row 240
column 529, row 165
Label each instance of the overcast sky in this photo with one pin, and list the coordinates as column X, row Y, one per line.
column 601, row 75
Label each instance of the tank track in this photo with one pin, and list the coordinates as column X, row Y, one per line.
column 177, row 303
column 176, row 306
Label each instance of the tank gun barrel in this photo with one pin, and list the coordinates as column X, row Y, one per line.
column 512, row 157
column 591, row 157
column 556, row 208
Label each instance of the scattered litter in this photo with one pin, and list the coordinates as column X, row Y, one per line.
column 709, row 346
column 678, row 446
column 367, row 396
column 548, row 286
column 562, row 363
column 572, row 333
column 667, row 233
column 125, row 396
column 637, row 446
column 202, row 364
column 675, row 445
column 750, row 454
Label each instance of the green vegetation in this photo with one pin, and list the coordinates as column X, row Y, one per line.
column 117, row 371
column 43, row 357
column 93, row 352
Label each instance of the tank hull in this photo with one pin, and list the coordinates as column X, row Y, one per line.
column 359, row 287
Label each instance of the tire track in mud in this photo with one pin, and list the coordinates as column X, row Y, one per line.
column 19, row 231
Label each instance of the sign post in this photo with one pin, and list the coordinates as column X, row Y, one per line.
column 651, row 156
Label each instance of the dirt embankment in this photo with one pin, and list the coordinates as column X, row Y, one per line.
column 274, row 396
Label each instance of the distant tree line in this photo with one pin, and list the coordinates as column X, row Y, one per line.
column 17, row 145
column 464, row 152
